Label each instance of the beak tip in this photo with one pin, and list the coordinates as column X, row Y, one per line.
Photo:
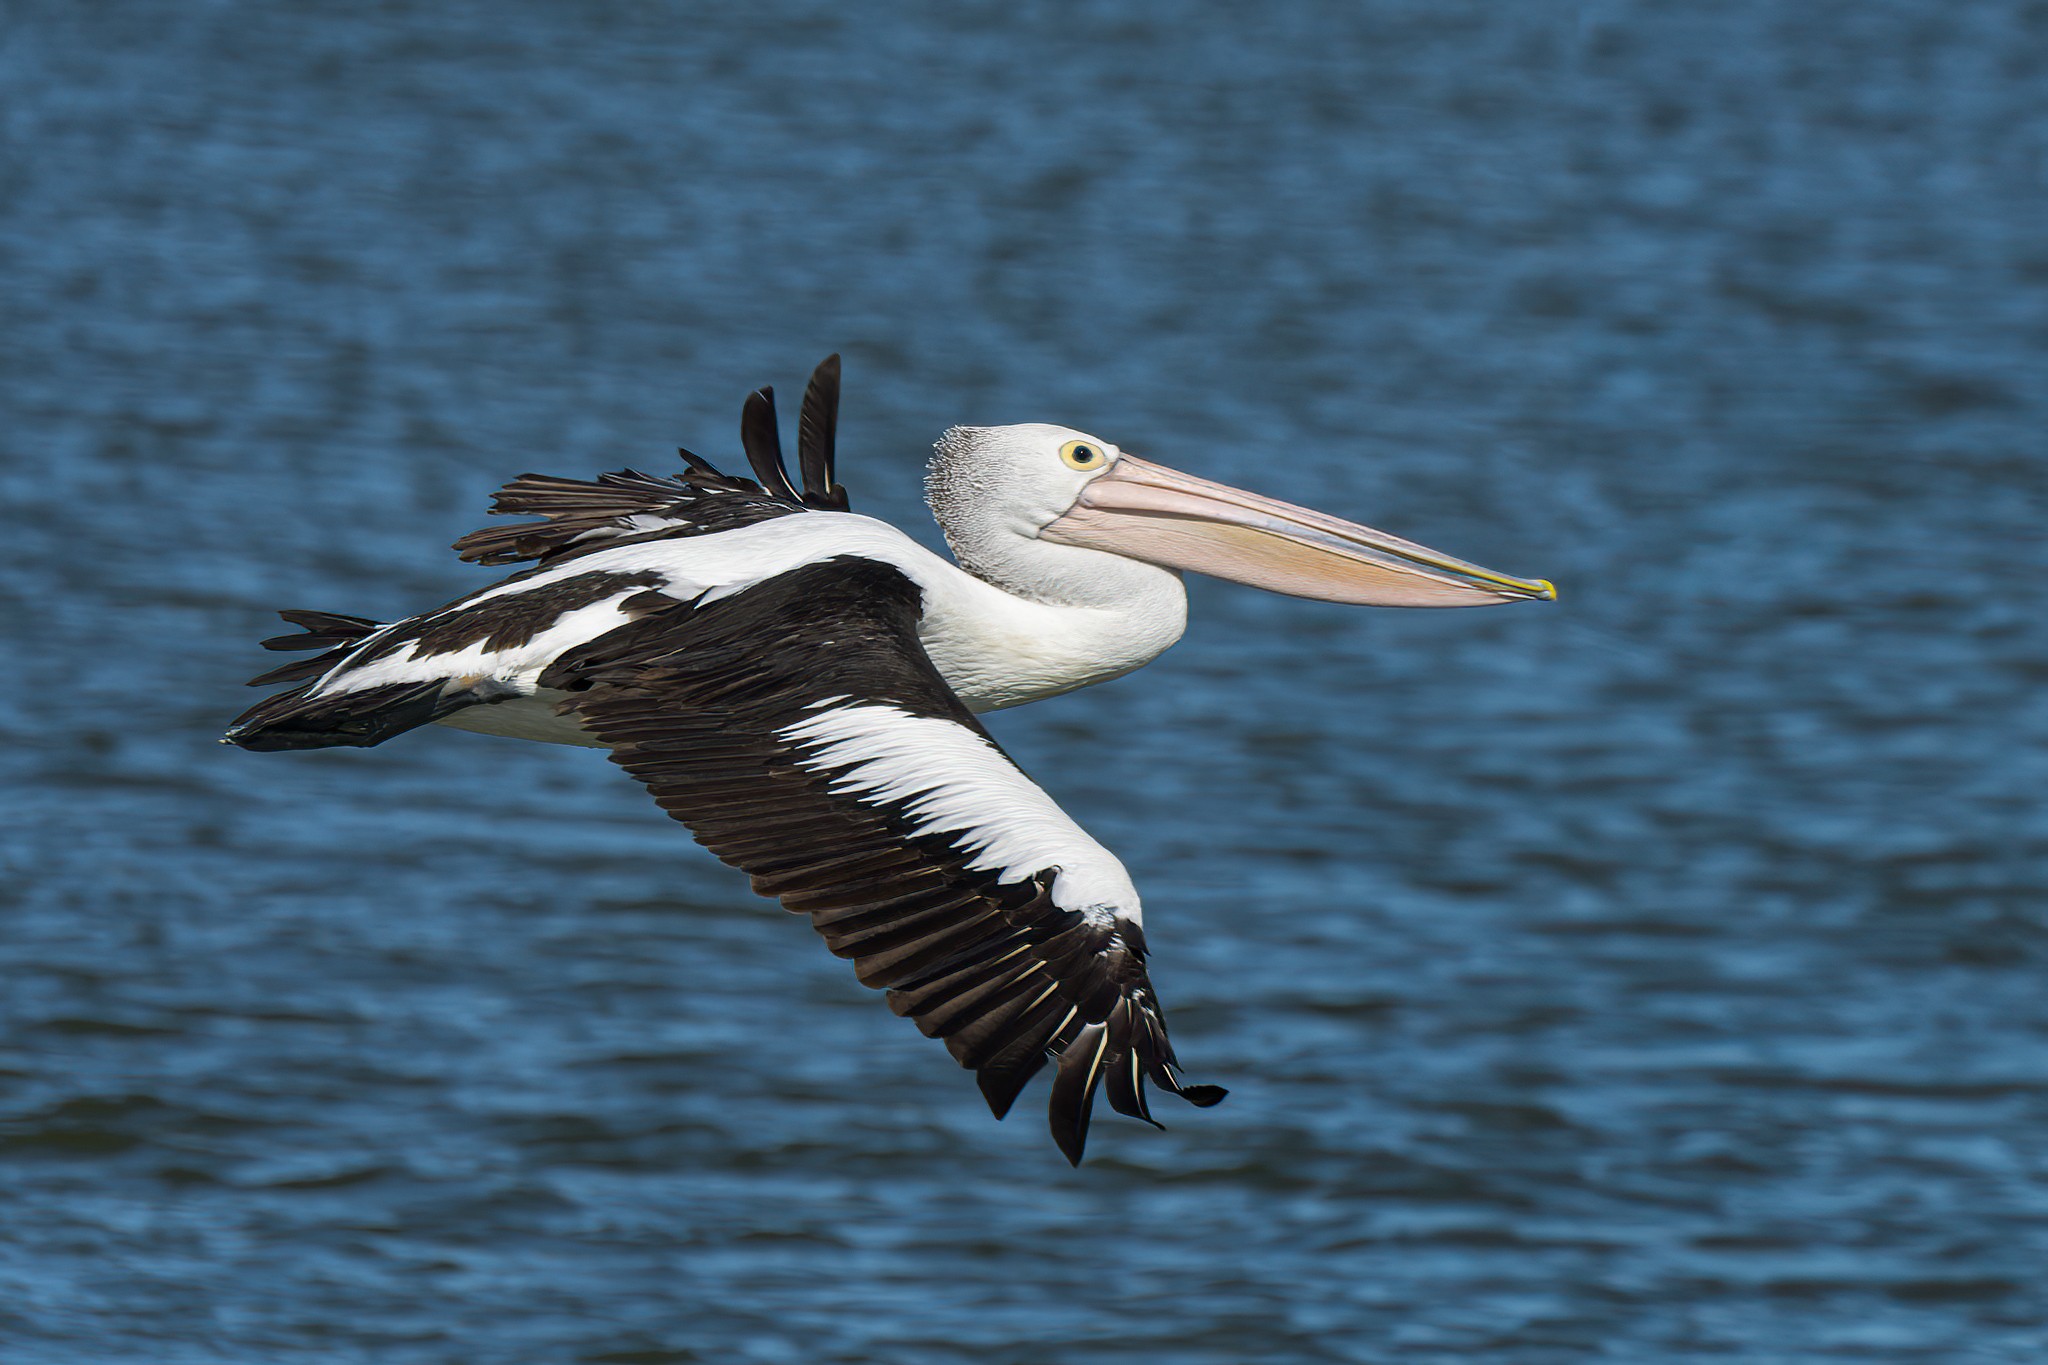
column 1549, row 593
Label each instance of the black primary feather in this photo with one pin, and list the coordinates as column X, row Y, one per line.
column 697, row 699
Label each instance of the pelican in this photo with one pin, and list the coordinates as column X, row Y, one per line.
column 799, row 684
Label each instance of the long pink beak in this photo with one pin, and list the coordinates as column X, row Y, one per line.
column 1145, row 511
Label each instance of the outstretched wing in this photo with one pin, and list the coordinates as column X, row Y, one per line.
column 580, row 515
column 798, row 728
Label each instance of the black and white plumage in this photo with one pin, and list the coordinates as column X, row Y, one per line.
column 801, row 732
column 628, row 506
column 798, row 685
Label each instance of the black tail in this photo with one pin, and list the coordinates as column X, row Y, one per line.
column 370, row 715
column 325, row 630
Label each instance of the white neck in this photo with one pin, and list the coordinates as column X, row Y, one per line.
column 1002, row 639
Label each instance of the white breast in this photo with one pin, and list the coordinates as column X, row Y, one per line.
column 997, row 650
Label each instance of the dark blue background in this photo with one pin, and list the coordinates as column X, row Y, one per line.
column 1656, row 976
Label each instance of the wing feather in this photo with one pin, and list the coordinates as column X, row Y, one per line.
column 817, row 436
column 762, row 441
column 581, row 515
column 775, row 723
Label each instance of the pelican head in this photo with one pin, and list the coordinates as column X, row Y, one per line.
column 1003, row 495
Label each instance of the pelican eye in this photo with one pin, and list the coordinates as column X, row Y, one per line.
column 1081, row 455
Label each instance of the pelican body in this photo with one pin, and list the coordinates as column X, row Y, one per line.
column 798, row 684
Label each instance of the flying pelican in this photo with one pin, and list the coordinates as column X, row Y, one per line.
column 798, row 685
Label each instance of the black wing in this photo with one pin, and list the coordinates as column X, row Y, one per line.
column 615, row 509
column 714, row 706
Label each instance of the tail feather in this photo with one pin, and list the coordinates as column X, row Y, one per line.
column 328, row 631
column 323, row 629
column 357, row 719
column 370, row 715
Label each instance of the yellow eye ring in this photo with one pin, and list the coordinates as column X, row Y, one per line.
column 1083, row 455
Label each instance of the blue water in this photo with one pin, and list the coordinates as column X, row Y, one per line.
column 1657, row 976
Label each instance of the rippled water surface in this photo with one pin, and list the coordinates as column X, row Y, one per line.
column 1657, row 976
